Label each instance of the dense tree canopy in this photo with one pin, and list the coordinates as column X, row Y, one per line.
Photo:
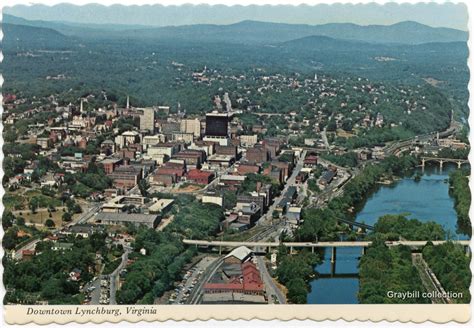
column 459, row 183
column 295, row 271
column 154, row 273
column 384, row 269
column 451, row 265
column 45, row 276
column 394, row 227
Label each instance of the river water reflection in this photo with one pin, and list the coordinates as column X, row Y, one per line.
column 425, row 200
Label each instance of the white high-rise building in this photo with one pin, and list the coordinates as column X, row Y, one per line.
column 191, row 126
column 147, row 119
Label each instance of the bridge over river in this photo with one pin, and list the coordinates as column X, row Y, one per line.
column 320, row 244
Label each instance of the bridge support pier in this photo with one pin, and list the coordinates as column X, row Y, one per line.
column 291, row 250
column 422, row 164
column 333, row 254
column 467, row 250
column 364, row 249
column 441, row 165
column 459, row 164
column 220, row 250
column 312, row 249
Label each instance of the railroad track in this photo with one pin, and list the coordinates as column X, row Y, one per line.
column 208, row 273
column 265, row 233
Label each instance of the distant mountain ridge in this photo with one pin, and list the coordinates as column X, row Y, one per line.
column 249, row 32
column 318, row 42
column 24, row 36
column 447, row 14
column 405, row 32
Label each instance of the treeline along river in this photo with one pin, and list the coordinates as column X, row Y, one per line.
column 426, row 200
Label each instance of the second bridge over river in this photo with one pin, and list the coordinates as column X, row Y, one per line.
column 441, row 161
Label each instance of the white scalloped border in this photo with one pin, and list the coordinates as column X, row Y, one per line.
column 349, row 313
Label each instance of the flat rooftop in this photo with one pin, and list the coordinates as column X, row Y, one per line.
column 160, row 204
column 220, row 157
column 232, row 177
column 230, row 297
column 125, row 217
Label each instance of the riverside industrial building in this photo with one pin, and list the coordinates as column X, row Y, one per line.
column 148, row 220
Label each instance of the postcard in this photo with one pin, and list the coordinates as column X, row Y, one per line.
column 198, row 162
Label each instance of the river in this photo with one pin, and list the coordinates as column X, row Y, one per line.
column 425, row 200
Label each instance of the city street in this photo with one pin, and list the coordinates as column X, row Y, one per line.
column 291, row 181
column 271, row 289
column 115, row 276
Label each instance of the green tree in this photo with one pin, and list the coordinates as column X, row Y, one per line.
column 67, row 217
column 143, row 185
column 49, row 223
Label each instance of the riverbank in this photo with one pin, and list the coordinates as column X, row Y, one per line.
column 428, row 199
column 400, row 197
column 459, row 189
column 322, row 223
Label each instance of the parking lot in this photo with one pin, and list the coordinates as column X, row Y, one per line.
column 104, row 290
column 190, row 279
column 97, row 291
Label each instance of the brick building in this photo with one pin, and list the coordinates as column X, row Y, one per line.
column 273, row 146
column 310, row 161
column 125, row 177
column 192, row 158
column 257, row 155
column 275, row 173
column 110, row 164
column 165, row 179
column 287, row 168
column 226, row 150
column 178, row 169
column 243, row 169
column 248, row 281
column 200, row 177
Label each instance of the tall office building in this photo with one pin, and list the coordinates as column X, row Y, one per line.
column 147, row 119
column 217, row 124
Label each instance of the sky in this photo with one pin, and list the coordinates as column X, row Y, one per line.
column 440, row 14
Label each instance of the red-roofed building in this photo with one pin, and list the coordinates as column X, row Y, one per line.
column 52, row 238
column 8, row 98
column 27, row 254
column 249, row 283
column 170, row 170
column 310, row 161
column 200, row 177
column 244, row 169
column 75, row 275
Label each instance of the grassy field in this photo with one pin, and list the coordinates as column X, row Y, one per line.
column 344, row 134
column 19, row 199
column 13, row 201
column 186, row 188
column 40, row 217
